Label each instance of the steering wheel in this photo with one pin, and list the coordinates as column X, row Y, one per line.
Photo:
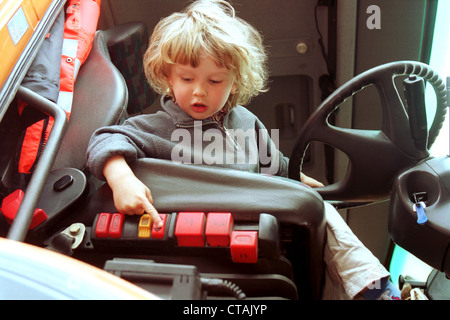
column 375, row 156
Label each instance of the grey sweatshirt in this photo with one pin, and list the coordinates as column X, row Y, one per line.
column 242, row 142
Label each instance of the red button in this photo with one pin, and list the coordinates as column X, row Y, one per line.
column 158, row 233
column 189, row 229
column 116, row 224
column 102, row 226
column 218, row 229
column 244, row 246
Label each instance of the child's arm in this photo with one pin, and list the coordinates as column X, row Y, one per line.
column 131, row 196
column 310, row 181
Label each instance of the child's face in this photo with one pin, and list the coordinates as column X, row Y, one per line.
column 203, row 90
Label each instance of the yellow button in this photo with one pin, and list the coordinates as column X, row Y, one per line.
column 145, row 224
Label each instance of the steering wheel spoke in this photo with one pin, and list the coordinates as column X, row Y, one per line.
column 395, row 117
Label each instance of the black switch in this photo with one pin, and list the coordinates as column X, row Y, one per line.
column 63, row 183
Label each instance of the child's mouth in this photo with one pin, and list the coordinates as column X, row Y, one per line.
column 199, row 107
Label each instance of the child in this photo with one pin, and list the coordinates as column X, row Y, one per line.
column 206, row 63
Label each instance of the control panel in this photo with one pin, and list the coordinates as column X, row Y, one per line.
column 214, row 232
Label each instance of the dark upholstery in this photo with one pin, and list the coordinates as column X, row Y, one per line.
column 100, row 99
column 126, row 45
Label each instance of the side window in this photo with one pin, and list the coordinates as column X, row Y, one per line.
column 440, row 61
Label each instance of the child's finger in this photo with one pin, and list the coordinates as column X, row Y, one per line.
column 154, row 214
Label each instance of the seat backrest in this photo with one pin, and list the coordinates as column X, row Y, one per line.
column 100, row 99
column 126, row 44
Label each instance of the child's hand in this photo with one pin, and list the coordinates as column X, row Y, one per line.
column 310, row 181
column 130, row 195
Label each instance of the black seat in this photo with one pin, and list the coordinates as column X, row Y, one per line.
column 126, row 44
column 100, row 99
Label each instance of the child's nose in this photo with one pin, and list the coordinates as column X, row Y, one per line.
column 200, row 91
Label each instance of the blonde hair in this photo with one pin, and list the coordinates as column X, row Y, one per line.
column 209, row 26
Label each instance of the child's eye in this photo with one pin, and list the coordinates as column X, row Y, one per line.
column 216, row 81
column 186, row 79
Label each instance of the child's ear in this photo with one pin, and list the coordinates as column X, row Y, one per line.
column 170, row 86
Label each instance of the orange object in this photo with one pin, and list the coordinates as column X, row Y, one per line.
column 18, row 20
column 145, row 226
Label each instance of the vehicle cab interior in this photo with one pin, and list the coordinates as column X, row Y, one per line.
column 358, row 94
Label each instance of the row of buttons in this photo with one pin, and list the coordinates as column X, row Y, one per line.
column 111, row 225
column 192, row 229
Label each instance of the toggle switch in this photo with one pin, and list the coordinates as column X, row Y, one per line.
column 116, row 224
column 244, row 246
column 218, row 229
column 102, row 225
column 189, row 229
column 145, row 224
column 158, row 233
